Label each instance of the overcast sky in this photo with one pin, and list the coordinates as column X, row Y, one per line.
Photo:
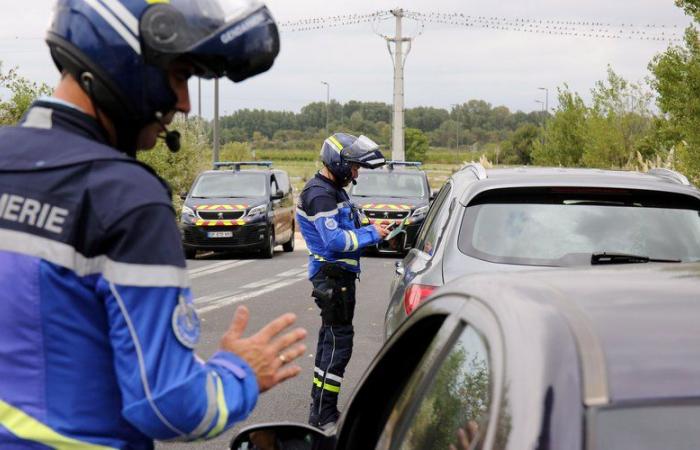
column 446, row 65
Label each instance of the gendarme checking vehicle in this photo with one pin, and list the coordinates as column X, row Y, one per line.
column 571, row 359
column 398, row 192
column 232, row 209
column 524, row 218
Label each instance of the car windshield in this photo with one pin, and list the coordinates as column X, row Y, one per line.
column 648, row 427
column 389, row 184
column 230, row 184
column 568, row 230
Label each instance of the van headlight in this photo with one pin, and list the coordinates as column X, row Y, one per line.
column 189, row 212
column 257, row 210
column 420, row 212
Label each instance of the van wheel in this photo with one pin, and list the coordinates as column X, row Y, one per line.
column 190, row 253
column 268, row 250
column 289, row 246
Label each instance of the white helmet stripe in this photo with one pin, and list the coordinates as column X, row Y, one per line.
column 124, row 15
column 116, row 25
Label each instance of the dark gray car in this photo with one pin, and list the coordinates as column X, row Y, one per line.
column 516, row 219
column 580, row 359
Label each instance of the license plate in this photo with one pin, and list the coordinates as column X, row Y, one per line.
column 220, row 234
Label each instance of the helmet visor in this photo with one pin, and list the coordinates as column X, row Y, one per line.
column 234, row 38
column 365, row 152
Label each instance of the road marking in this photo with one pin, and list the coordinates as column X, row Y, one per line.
column 229, row 300
column 218, row 267
column 250, row 290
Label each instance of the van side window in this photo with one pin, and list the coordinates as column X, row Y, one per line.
column 283, row 181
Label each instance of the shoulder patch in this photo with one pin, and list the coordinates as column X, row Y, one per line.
column 331, row 224
column 185, row 323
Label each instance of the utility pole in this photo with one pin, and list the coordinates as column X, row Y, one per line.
column 199, row 97
column 328, row 101
column 546, row 114
column 215, row 152
column 397, row 140
column 546, row 98
column 459, row 122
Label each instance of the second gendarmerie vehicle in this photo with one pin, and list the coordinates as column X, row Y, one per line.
column 232, row 209
column 398, row 193
column 574, row 359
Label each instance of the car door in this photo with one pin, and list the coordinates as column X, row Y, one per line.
column 277, row 210
column 414, row 268
column 441, row 373
column 286, row 206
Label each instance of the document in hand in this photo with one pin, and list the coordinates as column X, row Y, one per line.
column 395, row 232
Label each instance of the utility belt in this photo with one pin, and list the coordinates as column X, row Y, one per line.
column 334, row 293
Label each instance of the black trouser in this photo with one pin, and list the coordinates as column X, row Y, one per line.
column 334, row 293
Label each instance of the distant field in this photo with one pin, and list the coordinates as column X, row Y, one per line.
column 302, row 171
column 303, row 164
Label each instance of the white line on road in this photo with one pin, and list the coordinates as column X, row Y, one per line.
column 229, row 300
column 215, row 268
column 250, row 290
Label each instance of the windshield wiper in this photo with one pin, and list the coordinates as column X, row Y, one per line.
column 623, row 258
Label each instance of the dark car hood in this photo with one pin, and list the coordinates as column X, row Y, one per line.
column 237, row 202
column 377, row 202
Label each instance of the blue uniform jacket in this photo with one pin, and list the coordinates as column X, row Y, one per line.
column 331, row 227
column 97, row 327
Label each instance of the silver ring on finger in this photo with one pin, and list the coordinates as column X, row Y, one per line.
column 282, row 358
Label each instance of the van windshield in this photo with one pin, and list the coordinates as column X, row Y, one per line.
column 230, row 184
column 389, row 184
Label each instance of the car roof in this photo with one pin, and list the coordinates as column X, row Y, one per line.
column 564, row 177
column 636, row 326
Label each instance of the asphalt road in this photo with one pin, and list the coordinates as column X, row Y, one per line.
column 221, row 282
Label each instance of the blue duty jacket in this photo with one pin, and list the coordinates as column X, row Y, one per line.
column 331, row 227
column 97, row 327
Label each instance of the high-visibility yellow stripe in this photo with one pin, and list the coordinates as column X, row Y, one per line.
column 336, row 142
column 327, row 387
column 223, row 408
column 26, row 427
column 355, row 244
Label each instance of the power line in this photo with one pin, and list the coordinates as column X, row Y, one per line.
column 554, row 27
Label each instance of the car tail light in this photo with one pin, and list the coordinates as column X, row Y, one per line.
column 415, row 295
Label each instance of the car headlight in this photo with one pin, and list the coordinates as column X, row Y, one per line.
column 257, row 210
column 186, row 210
column 420, row 212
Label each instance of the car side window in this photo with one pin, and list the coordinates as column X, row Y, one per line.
column 432, row 227
column 458, row 397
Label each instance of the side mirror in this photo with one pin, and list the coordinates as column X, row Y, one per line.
column 433, row 194
column 282, row 436
column 279, row 195
column 183, row 195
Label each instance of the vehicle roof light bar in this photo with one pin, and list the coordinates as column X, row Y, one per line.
column 390, row 164
column 237, row 164
column 670, row 175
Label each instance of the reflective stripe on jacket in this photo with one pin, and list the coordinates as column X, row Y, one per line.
column 331, row 226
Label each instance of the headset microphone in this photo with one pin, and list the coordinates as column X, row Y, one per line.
column 171, row 137
column 172, row 140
